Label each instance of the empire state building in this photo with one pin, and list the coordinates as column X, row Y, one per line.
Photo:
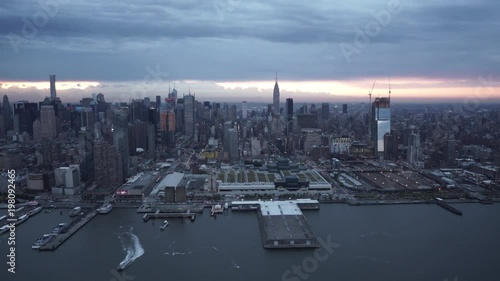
column 276, row 97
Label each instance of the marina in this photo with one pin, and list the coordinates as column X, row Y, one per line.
column 66, row 231
column 282, row 223
column 21, row 216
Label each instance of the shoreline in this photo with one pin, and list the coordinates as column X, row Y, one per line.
column 405, row 202
column 348, row 202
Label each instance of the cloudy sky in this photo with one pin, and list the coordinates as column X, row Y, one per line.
column 323, row 50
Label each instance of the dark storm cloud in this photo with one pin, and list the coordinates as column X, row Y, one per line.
column 245, row 40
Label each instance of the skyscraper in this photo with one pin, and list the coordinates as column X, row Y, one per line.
column 158, row 104
column 226, row 142
column 189, row 115
column 108, row 172
column 171, row 129
column 380, row 123
column 53, row 87
column 451, row 152
column 7, row 114
column 276, row 97
column 86, row 153
column 244, row 110
column 344, row 108
column 289, row 114
column 25, row 113
column 234, row 152
column 120, row 137
column 325, row 111
column 413, row 151
column 48, row 124
column 172, row 98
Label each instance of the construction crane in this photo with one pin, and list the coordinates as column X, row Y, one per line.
column 389, row 87
column 370, row 93
column 370, row 112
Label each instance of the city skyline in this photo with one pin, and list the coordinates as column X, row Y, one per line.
column 176, row 132
column 484, row 91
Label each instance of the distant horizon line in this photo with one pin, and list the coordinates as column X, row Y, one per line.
column 422, row 101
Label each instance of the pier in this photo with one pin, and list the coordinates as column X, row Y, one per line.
column 282, row 224
column 170, row 208
column 448, row 207
column 158, row 215
column 73, row 227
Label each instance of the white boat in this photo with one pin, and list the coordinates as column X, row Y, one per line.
column 124, row 265
column 216, row 209
column 4, row 228
column 75, row 211
column 106, row 208
column 34, row 211
column 59, row 228
column 21, row 219
column 32, row 203
column 165, row 224
column 42, row 241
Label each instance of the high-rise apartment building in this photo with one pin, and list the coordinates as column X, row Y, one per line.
column 189, row 115
column 108, row 166
column 289, row 115
column 244, row 110
column 52, row 87
column 120, row 137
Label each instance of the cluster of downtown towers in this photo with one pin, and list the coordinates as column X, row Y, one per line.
column 109, row 134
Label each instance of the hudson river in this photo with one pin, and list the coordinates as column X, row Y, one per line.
column 403, row 242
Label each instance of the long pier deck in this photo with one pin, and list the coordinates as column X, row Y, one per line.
column 159, row 215
column 448, row 207
column 74, row 226
column 171, row 208
column 282, row 224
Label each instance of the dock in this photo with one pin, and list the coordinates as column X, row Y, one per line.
column 171, row 208
column 303, row 204
column 448, row 207
column 282, row 224
column 73, row 227
column 158, row 215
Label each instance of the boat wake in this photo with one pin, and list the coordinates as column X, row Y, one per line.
column 132, row 248
column 173, row 252
column 177, row 253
